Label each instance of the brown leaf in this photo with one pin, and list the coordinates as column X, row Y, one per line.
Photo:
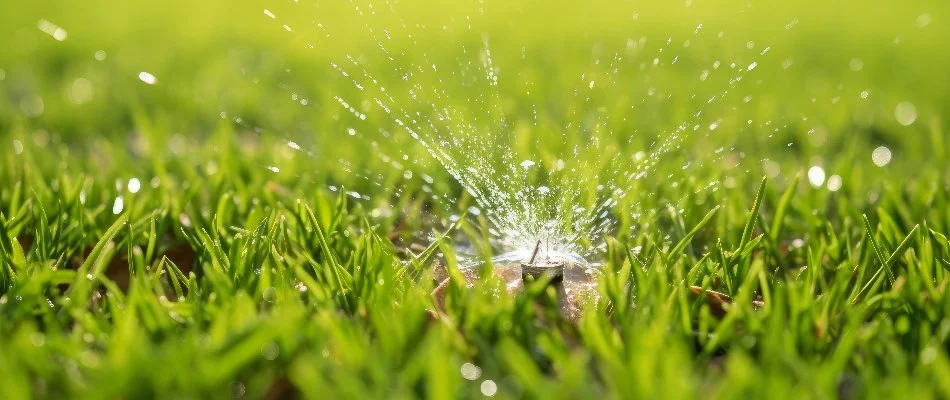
column 719, row 302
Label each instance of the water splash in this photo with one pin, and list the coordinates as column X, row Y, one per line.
column 555, row 191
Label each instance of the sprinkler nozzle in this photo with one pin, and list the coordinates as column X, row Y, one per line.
column 534, row 254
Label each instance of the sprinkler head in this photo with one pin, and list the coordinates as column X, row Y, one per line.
column 541, row 268
column 575, row 280
column 536, row 268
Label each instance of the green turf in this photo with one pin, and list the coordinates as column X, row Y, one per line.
column 219, row 278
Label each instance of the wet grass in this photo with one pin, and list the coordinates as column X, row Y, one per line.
column 211, row 276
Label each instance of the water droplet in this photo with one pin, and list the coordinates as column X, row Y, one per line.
column 881, row 156
column 856, row 64
column 147, row 77
column 816, row 176
column 923, row 20
column 80, row 91
column 17, row 146
column 118, row 205
column 834, row 183
column 527, row 164
column 32, row 105
column 270, row 294
column 270, row 351
column 771, row 168
column 52, row 29
column 134, row 185
column 905, row 113
column 100, row 55
column 471, row 371
column 489, row 388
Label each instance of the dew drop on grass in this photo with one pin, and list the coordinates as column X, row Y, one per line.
column 905, row 113
column 147, row 77
column 881, row 156
column 834, row 183
column 80, row 91
column 134, row 185
column 489, row 388
column 771, row 168
column 57, row 33
column 816, row 176
column 32, row 106
column 856, row 64
column 470, row 371
column 17, row 146
column 270, row 351
column 270, row 294
column 118, row 205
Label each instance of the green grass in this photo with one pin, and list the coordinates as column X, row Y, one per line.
column 219, row 278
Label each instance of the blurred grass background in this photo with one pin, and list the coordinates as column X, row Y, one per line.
column 231, row 62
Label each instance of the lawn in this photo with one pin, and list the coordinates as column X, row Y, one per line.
column 243, row 199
